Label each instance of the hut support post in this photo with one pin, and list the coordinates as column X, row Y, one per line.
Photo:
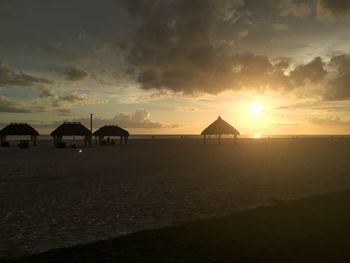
column 87, row 141
column 205, row 139
column 33, row 139
column 219, row 138
column 2, row 139
column 126, row 139
column 121, row 140
column 235, row 138
column 56, row 140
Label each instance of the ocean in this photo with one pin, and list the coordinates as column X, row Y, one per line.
column 195, row 136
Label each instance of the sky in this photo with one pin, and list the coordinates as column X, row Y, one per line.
column 174, row 66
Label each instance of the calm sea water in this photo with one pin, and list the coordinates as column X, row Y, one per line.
column 188, row 136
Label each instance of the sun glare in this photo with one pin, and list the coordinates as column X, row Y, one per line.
column 257, row 109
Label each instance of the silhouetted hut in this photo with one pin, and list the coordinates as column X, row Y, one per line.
column 110, row 131
column 19, row 129
column 220, row 127
column 71, row 129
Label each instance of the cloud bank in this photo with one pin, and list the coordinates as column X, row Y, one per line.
column 293, row 7
column 8, row 77
column 333, row 9
column 138, row 119
column 74, row 74
column 7, row 105
column 174, row 49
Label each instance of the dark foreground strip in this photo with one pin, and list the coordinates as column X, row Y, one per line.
column 308, row 230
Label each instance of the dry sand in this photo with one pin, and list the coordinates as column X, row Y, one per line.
column 53, row 198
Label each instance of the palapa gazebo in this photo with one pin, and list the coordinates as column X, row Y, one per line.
column 71, row 129
column 19, row 129
column 220, row 127
column 111, row 130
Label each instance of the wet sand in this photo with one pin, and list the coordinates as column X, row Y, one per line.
column 54, row 198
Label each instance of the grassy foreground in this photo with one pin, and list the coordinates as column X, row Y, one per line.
column 308, row 230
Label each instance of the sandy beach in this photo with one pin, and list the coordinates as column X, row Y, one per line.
column 54, row 198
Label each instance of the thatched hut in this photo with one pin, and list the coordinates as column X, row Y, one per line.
column 71, row 129
column 19, row 129
column 220, row 127
column 111, row 131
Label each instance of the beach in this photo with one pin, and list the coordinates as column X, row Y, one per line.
column 52, row 198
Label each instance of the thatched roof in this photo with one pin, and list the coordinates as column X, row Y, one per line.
column 19, row 129
column 70, row 129
column 111, row 130
column 220, row 127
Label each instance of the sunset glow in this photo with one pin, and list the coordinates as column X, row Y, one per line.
column 257, row 109
column 250, row 62
column 257, row 136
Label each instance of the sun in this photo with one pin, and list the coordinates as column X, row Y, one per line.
column 257, row 109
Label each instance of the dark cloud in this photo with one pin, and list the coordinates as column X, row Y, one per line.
column 8, row 77
column 52, row 103
column 279, row 27
column 174, row 49
column 46, row 93
column 10, row 106
column 63, row 112
column 338, row 87
column 300, row 8
column 258, row 72
column 213, row 73
column 7, row 105
column 311, row 72
column 53, row 50
column 208, row 71
column 63, row 52
column 333, row 9
column 71, row 73
column 74, row 74
column 75, row 98
column 67, row 100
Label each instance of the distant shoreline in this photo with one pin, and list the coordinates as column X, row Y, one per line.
column 46, row 137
